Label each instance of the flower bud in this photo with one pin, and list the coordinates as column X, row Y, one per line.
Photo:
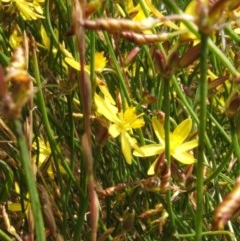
column 131, row 56
column 232, row 107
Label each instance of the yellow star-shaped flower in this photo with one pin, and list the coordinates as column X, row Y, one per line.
column 178, row 148
column 122, row 124
column 100, row 63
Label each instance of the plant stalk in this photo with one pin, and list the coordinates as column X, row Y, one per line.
column 30, row 179
column 167, row 151
column 235, row 142
column 202, row 129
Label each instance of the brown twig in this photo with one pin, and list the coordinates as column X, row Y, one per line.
column 86, row 98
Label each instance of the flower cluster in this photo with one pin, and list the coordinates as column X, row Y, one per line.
column 123, row 123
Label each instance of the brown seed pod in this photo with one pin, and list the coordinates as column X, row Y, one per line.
column 228, row 208
column 113, row 25
column 15, row 86
column 144, row 38
column 218, row 7
column 232, row 106
column 163, row 171
column 131, row 56
column 151, row 184
column 150, row 212
column 3, row 85
column 16, row 71
column 190, row 56
column 159, row 60
column 111, row 190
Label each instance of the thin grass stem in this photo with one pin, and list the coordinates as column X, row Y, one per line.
column 235, row 139
column 5, row 236
column 167, row 150
column 202, row 131
column 30, row 179
column 118, row 70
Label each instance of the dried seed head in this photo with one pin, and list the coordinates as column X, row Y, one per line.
column 232, row 106
column 19, row 91
column 131, row 56
column 228, row 208
column 190, row 56
column 163, row 171
column 152, row 184
column 159, row 60
column 144, row 38
column 113, row 25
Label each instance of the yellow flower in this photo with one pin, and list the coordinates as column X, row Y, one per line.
column 28, row 10
column 16, row 206
column 15, row 39
column 136, row 11
column 159, row 14
column 122, row 124
column 100, row 62
column 47, row 43
column 44, row 151
column 45, row 38
column 178, row 148
column 44, row 154
column 191, row 10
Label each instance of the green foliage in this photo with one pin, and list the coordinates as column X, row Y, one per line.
column 119, row 120
column 6, row 185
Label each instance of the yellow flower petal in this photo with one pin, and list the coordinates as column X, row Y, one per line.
column 100, row 61
column 133, row 119
column 133, row 143
column 114, row 130
column 44, row 151
column 15, row 40
column 45, row 38
column 73, row 63
column 187, row 146
column 15, row 207
column 151, row 170
column 138, row 123
column 158, row 14
column 192, row 10
column 106, row 108
column 28, row 10
column 183, row 157
column 149, row 150
column 158, row 129
column 130, row 115
column 126, row 148
column 37, row 8
column 136, row 11
column 104, row 89
column 182, row 131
